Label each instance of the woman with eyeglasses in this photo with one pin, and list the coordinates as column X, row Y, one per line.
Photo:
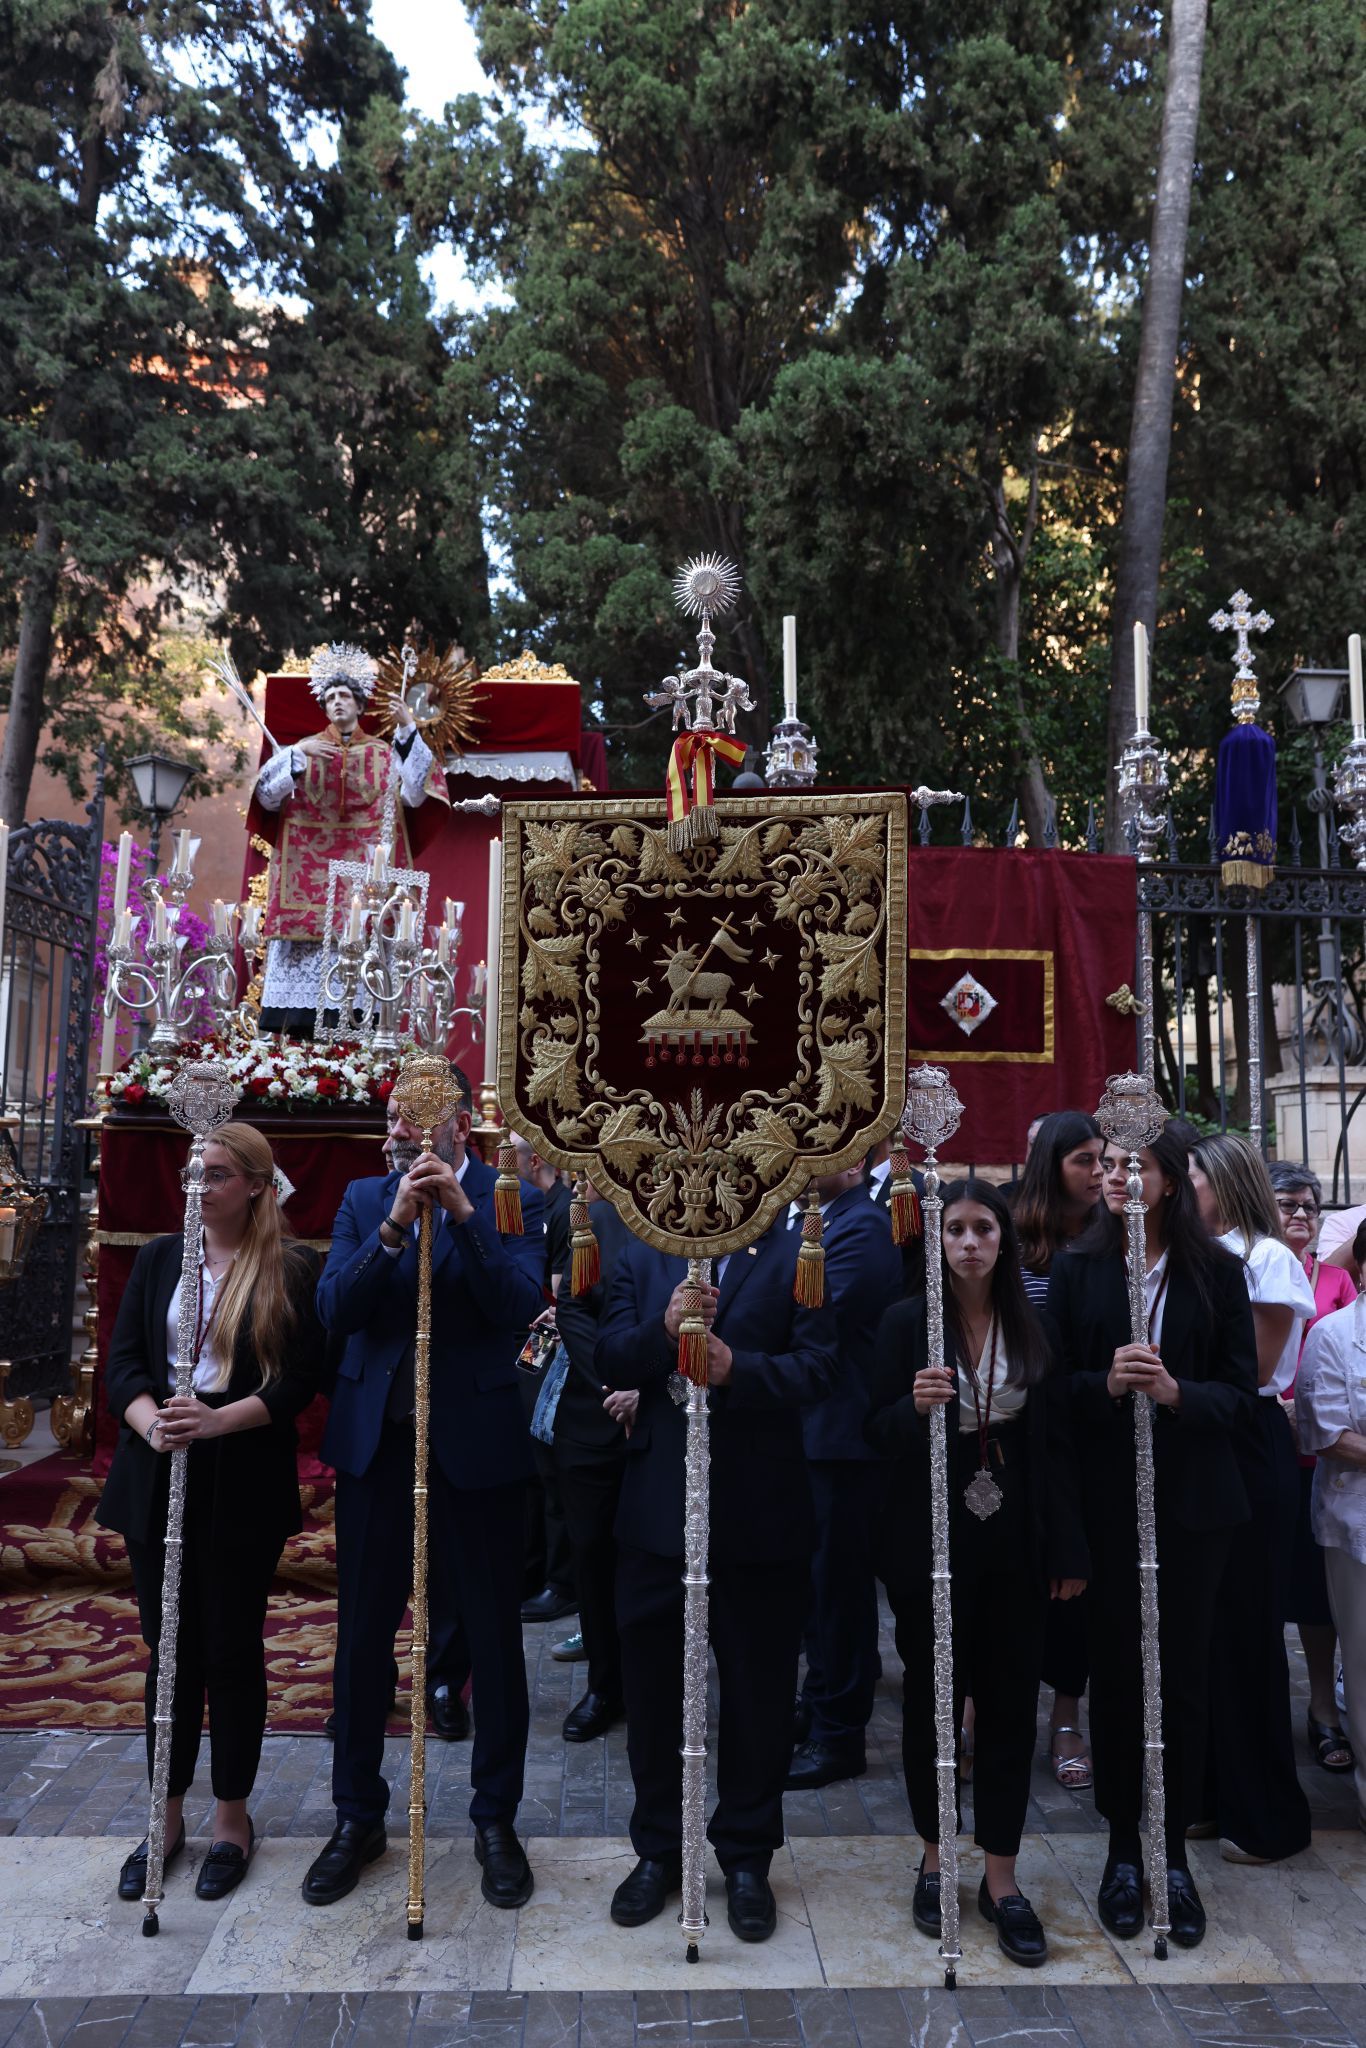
column 1254, row 1800
column 258, row 1358
column 1299, row 1198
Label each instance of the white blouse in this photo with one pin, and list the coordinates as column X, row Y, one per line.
column 1006, row 1402
column 1275, row 1277
column 206, row 1372
column 1330, row 1397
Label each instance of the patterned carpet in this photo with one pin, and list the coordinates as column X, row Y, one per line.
column 72, row 1654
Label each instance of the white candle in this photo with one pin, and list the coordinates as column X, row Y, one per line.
column 1140, row 676
column 494, row 945
column 790, row 665
column 405, row 920
column 377, row 864
column 182, row 853
column 159, row 922
column 4, row 871
column 119, row 922
column 443, row 946
column 251, row 926
column 222, row 919
column 1354, row 683
column 455, row 913
column 123, row 937
column 353, row 926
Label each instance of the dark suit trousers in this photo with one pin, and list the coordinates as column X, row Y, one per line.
column 590, row 1487
column 1253, row 1790
column 480, row 1531
column 220, row 1652
column 841, row 1628
column 756, row 1615
column 549, row 1558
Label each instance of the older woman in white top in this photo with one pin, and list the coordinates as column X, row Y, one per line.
column 1254, row 1798
column 1330, row 1406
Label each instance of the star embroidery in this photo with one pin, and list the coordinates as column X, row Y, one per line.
column 676, row 914
column 642, row 988
column 637, row 939
column 750, row 994
column 752, row 924
column 770, row 960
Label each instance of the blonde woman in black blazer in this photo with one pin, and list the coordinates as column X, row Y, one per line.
column 259, row 1360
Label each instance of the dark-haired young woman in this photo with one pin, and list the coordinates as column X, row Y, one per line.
column 1009, row 1439
column 258, row 1359
column 1200, row 1368
column 1057, row 1198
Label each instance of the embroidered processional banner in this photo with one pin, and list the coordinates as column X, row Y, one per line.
column 701, row 1030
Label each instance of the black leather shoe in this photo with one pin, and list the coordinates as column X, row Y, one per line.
column 593, row 1716
column 1018, row 1932
column 352, row 1844
column 450, row 1716
column 925, row 1901
column 644, row 1894
column 1120, row 1901
column 224, row 1867
column 814, row 1765
column 549, row 1605
column 507, row 1874
column 133, row 1876
column 1184, row 1909
column 750, row 1905
column 801, row 1722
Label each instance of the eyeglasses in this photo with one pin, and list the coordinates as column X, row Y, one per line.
column 1288, row 1209
column 216, row 1178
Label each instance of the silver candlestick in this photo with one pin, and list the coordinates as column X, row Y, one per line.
column 932, row 1114
column 790, row 756
column 1131, row 1116
column 163, row 986
column 1143, row 791
column 1349, row 795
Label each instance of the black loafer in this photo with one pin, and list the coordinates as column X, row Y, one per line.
column 1120, row 1901
column 1184, row 1909
column 224, row 1867
column 507, row 1874
column 1019, row 1933
column 352, row 1844
column 814, row 1765
column 593, row 1716
column 549, row 1605
column 751, row 1907
column 644, row 1894
column 133, row 1876
column 450, row 1717
column 925, row 1902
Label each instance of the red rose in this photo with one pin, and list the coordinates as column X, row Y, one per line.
column 328, row 1084
column 383, row 1090
column 258, row 1086
column 135, row 1092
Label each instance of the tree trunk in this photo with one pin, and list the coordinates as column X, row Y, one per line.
column 28, row 691
column 1007, row 555
column 1150, row 428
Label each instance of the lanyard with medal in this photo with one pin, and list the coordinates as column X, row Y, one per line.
column 981, row 1493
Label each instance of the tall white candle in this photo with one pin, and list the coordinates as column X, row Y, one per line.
column 123, row 935
column 1354, row 684
column 4, row 872
column 159, row 922
column 405, row 920
column 119, row 918
column 790, row 665
column 182, row 853
column 443, row 945
column 377, row 863
column 494, row 946
column 251, row 926
column 222, row 919
column 1140, row 676
column 353, row 922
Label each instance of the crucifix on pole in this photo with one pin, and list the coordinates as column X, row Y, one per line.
column 1245, row 815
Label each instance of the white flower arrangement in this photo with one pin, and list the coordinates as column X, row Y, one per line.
column 277, row 1070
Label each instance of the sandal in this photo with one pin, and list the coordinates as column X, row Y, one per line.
column 1073, row 1773
column 1327, row 1740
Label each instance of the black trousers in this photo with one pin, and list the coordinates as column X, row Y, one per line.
column 756, row 1615
column 1064, row 1646
column 549, row 1557
column 1252, row 1789
column 999, row 1605
column 1190, row 1569
column 480, row 1532
column 841, row 1628
column 590, row 1487
column 220, row 1652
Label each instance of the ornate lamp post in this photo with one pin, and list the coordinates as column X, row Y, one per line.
column 160, row 783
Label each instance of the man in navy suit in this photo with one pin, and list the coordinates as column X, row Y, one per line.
column 863, row 1277
column 486, row 1290
column 766, row 1357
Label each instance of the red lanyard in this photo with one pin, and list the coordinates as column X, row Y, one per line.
column 984, row 1421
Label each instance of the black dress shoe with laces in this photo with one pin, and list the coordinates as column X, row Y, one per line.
column 925, row 1902
column 593, row 1716
column 751, row 1908
column 351, row 1845
column 1184, row 1909
column 815, row 1764
column 644, row 1894
column 133, row 1876
column 1120, row 1901
column 224, row 1867
column 507, row 1874
column 450, row 1716
column 549, row 1605
column 1019, row 1934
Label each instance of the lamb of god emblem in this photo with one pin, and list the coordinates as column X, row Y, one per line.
column 698, row 1024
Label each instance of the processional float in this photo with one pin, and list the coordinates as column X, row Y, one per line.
column 702, row 1005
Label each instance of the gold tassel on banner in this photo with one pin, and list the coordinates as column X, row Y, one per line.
column 904, row 1202
column 692, row 1331
column 808, row 1287
column 507, row 1193
column 585, row 1268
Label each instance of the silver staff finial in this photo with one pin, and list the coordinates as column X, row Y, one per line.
column 702, row 698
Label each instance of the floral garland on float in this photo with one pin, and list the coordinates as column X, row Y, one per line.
column 274, row 1072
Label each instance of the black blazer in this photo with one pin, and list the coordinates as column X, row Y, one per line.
column 1057, row 1536
column 249, row 1479
column 761, row 1504
column 1195, row 1463
column 580, row 1418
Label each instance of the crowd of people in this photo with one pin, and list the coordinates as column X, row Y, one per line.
column 556, row 1489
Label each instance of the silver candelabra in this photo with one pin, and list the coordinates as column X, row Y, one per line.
column 167, row 986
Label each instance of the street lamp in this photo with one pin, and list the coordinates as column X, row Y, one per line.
column 160, row 784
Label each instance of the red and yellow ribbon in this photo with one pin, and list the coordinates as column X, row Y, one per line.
column 691, row 817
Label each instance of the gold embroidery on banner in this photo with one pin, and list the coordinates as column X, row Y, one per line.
column 1029, row 1059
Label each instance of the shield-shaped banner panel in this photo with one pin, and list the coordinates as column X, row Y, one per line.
column 702, row 1031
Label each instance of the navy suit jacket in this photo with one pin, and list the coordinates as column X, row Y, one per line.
column 863, row 1277
column 784, row 1356
column 486, row 1291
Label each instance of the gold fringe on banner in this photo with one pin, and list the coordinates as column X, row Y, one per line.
column 808, row 1286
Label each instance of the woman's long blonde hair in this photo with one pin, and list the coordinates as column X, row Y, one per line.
column 255, row 1285
column 1241, row 1186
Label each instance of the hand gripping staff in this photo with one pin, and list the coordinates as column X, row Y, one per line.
column 202, row 1097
